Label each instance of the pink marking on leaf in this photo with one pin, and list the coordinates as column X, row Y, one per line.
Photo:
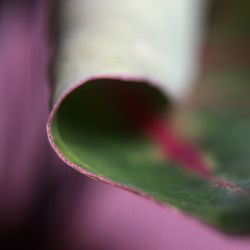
column 140, row 113
column 176, row 148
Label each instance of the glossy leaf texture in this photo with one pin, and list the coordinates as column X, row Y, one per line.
column 121, row 72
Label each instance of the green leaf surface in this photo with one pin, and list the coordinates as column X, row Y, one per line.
column 106, row 91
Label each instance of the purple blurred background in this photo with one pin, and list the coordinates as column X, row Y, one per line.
column 45, row 204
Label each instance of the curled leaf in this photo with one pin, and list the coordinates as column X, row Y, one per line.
column 120, row 71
